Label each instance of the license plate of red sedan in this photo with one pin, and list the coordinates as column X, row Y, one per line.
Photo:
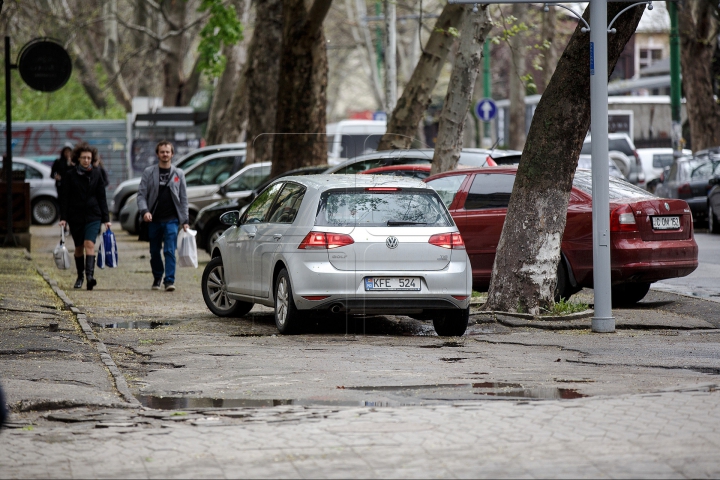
column 392, row 283
column 666, row 223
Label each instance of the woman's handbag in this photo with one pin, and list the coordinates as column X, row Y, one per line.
column 108, row 254
column 61, row 254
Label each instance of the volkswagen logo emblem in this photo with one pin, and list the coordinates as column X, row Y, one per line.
column 667, row 206
column 391, row 242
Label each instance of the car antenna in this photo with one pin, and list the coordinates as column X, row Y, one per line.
column 492, row 149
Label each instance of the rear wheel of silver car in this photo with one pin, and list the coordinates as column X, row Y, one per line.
column 44, row 211
column 287, row 316
column 713, row 223
column 628, row 294
column 452, row 323
column 214, row 290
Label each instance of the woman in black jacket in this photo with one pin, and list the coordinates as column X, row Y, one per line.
column 83, row 205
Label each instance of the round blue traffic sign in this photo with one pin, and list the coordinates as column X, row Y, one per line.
column 486, row 109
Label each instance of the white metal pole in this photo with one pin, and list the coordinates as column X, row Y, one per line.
column 602, row 321
column 390, row 56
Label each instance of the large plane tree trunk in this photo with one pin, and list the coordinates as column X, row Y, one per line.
column 698, row 30
column 261, row 78
column 524, row 272
column 517, row 83
column 415, row 99
column 460, row 91
column 302, row 88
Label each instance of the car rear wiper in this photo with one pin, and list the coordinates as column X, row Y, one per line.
column 391, row 223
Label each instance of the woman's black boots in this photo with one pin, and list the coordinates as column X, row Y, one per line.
column 80, row 266
column 90, row 271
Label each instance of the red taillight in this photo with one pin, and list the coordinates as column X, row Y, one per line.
column 622, row 219
column 448, row 240
column 489, row 162
column 684, row 189
column 383, row 189
column 315, row 297
column 460, row 297
column 322, row 240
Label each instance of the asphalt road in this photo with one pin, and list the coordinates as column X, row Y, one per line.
column 705, row 281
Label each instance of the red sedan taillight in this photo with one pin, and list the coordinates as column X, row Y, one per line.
column 448, row 240
column 684, row 190
column 622, row 219
column 322, row 240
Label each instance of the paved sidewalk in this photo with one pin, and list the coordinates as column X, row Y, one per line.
column 667, row 435
column 69, row 420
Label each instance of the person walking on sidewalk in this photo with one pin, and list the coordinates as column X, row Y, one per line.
column 60, row 166
column 163, row 189
column 83, row 205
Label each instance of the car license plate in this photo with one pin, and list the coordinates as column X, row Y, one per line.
column 392, row 283
column 666, row 223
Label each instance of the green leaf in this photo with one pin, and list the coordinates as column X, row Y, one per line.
column 222, row 28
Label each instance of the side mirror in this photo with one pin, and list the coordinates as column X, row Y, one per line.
column 222, row 190
column 230, row 218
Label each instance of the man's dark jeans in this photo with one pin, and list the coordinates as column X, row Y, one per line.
column 163, row 236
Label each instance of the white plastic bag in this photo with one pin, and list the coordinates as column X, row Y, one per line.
column 187, row 248
column 61, row 254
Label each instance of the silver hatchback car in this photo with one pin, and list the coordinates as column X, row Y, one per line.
column 355, row 244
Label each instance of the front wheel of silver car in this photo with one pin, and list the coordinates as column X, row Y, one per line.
column 214, row 290
column 287, row 316
column 44, row 211
column 452, row 323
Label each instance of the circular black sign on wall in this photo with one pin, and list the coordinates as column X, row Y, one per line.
column 44, row 65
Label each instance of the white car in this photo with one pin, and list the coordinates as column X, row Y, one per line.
column 356, row 244
column 44, row 206
column 654, row 161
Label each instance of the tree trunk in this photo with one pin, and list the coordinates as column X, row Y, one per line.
column 517, row 84
column 261, row 80
column 302, row 86
column 549, row 60
column 698, row 30
column 415, row 99
column 227, row 83
column 373, row 73
column 88, row 79
column 110, row 56
column 524, row 272
column 460, row 91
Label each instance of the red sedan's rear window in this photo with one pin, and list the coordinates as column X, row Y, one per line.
column 619, row 189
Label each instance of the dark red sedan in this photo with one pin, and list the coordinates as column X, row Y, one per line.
column 652, row 238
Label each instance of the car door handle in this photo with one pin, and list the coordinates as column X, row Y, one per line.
column 251, row 235
column 277, row 236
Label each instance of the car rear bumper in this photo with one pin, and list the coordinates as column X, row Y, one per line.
column 346, row 289
column 642, row 261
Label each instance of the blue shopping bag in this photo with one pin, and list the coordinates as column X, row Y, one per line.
column 108, row 254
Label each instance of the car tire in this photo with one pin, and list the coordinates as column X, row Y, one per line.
column 213, row 235
column 452, row 323
column 713, row 222
column 45, row 211
column 564, row 288
column 214, row 291
column 628, row 294
column 287, row 316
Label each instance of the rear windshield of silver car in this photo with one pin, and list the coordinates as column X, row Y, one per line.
column 382, row 207
column 619, row 189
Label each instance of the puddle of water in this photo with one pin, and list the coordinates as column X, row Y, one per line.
column 180, row 403
column 140, row 324
column 540, row 393
column 496, row 385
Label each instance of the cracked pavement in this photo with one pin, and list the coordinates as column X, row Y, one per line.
column 372, row 397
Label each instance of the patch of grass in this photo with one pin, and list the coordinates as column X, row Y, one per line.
column 479, row 294
column 563, row 307
column 147, row 342
column 28, row 428
column 178, row 414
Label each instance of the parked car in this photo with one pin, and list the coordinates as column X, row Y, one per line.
column 342, row 243
column 651, row 238
column 44, row 206
column 585, row 161
column 469, row 157
column 207, row 222
column 621, row 142
column 654, row 161
column 350, row 138
column 420, row 172
column 713, row 202
column 202, row 179
column 688, row 178
column 123, row 191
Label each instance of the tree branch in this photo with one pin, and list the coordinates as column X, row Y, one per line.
column 316, row 16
